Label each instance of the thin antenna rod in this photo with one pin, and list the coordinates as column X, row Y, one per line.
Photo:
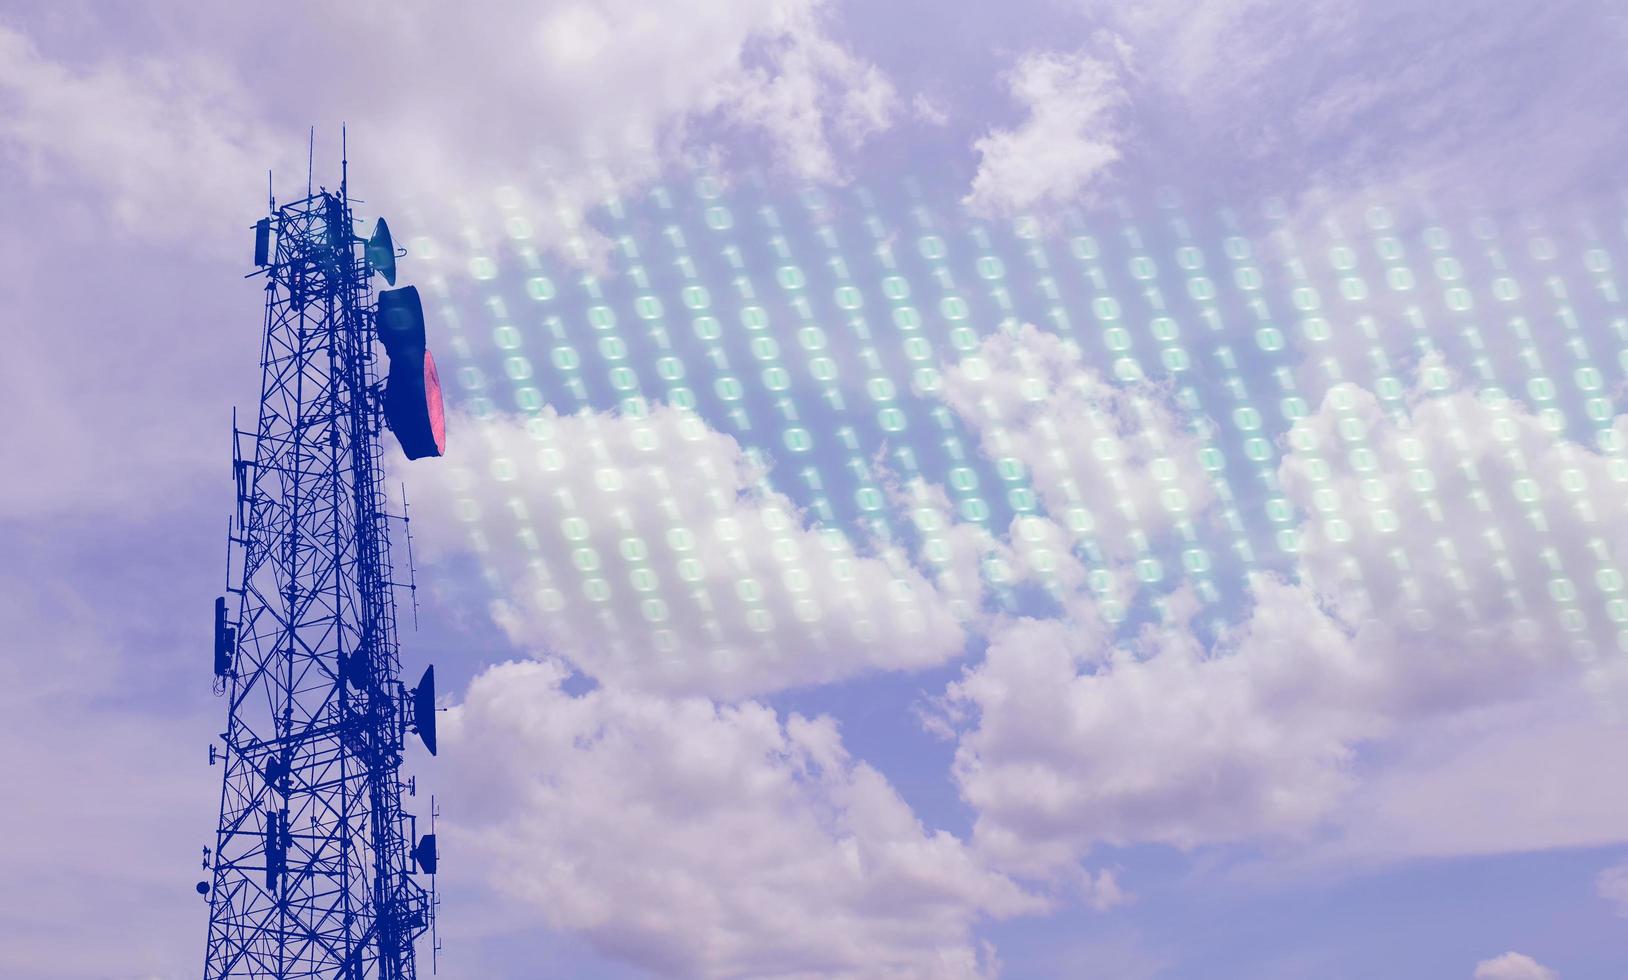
column 310, row 159
column 344, row 166
column 412, row 569
column 271, row 198
column 435, row 898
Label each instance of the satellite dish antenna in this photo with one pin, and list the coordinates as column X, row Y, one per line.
column 424, row 708
column 381, row 252
column 412, row 395
column 413, row 407
column 401, row 320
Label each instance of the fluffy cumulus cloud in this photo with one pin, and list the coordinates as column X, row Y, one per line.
column 809, row 94
column 1413, row 601
column 1068, row 138
column 1462, row 529
column 952, row 552
column 658, row 815
column 1110, row 461
column 707, row 841
column 1513, row 966
column 650, row 552
column 1079, row 740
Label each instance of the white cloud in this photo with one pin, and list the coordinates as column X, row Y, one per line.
column 170, row 143
column 1612, row 885
column 708, row 841
column 1431, row 608
column 548, row 109
column 1510, row 778
column 1462, row 535
column 929, row 110
column 814, row 94
column 1109, row 461
column 1104, row 892
column 1334, row 102
column 120, row 152
column 1079, row 742
column 1513, row 966
column 560, row 107
column 953, row 552
column 707, row 580
column 1069, row 138
column 1222, row 43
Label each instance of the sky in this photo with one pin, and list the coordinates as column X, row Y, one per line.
column 1042, row 490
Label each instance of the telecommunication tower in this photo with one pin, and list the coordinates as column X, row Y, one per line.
column 316, row 865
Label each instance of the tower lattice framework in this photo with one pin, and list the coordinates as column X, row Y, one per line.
column 314, row 860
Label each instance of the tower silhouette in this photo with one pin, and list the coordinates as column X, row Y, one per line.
column 315, row 862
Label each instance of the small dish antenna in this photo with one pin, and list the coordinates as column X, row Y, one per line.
column 381, row 252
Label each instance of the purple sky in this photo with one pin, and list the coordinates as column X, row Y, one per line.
column 1373, row 753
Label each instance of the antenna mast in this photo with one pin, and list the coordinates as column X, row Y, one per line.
column 315, row 870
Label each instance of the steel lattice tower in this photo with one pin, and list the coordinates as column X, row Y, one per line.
column 314, row 857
